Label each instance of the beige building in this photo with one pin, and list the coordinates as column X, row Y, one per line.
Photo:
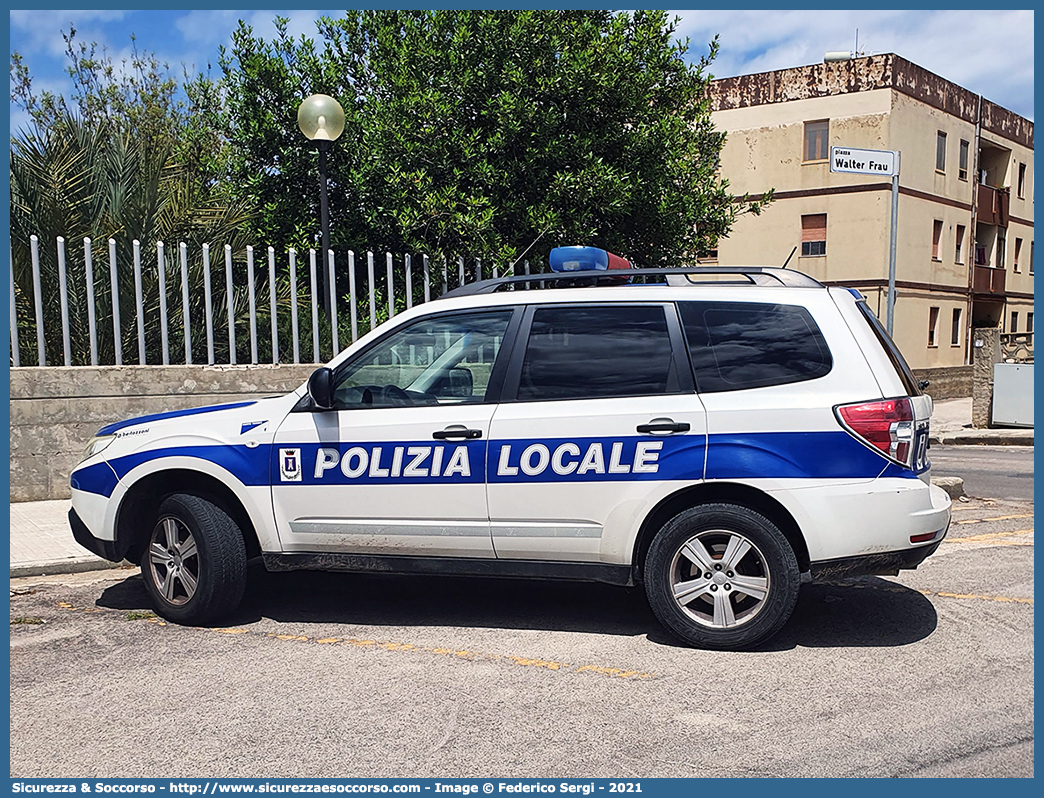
column 965, row 230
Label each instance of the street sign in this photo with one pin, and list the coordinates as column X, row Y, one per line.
column 864, row 162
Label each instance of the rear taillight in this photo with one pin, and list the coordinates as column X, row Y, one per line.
column 887, row 425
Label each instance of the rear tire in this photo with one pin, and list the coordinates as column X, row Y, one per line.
column 194, row 563
column 721, row 576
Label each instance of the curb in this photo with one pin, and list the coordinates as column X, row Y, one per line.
column 981, row 439
column 954, row 486
column 73, row 565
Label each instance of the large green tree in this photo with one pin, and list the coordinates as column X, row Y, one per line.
column 484, row 133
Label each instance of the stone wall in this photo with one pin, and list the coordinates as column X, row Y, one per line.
column 986, row 351
column 949, row 382
column 56, row 410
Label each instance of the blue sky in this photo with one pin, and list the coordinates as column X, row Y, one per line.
column 989, row 52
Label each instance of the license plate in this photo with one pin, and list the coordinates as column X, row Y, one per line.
column 921, row 450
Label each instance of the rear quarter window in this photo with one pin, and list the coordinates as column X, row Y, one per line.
column 738, row 345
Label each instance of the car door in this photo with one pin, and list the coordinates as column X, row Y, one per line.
column 598, row 422
column 397, row 466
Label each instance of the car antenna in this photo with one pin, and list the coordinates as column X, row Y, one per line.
column 789, row 257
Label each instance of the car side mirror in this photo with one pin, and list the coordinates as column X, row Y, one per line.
column 320, row 388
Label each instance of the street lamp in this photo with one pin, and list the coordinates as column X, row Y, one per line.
column 321, row 119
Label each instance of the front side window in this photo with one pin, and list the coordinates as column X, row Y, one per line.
column 940, row 152
column 937, row 227
column 597, row 352
column 441, row 360
column 816, row 147
column 962, row 166
column 737, row 345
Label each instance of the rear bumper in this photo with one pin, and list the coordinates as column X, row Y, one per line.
column 888, row 563
column 106, row 549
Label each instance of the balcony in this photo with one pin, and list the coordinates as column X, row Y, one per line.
column 987, row 280
column 993, row 205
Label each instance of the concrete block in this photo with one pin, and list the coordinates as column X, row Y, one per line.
column 954, row 486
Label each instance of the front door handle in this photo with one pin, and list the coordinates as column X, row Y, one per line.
column 456, row 431
column 664, row 425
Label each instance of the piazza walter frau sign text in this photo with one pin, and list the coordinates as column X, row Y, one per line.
column 864, row 162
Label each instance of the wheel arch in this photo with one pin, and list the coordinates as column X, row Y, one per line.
column 706, row 492
column 142, row 500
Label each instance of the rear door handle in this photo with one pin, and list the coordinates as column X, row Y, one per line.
column 664, row 425
column 456, row 431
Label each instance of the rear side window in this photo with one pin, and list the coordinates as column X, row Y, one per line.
column 596, row 352
column 902, row 368
column 737, row 345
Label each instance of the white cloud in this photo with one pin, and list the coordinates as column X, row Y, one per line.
column 988, row 52
column 300, row 22
column 40, row 31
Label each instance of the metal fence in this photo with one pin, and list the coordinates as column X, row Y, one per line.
column 150, row 311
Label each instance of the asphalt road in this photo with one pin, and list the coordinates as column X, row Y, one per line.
column 997, row 472
column 925, row 674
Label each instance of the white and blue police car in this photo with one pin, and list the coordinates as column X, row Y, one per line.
column 718, row 435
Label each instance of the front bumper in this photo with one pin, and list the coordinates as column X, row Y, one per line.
column 106, row 549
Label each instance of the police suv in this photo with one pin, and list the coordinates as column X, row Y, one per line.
column 718, row 435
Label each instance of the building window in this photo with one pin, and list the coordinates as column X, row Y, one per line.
column 962, row 167
column 1022, row 181
column 1031, row 259
column 813, row 235
column 1029, row 322
column 958, row 256
column 1002, row 250
column 816, row 134
column 980, row 254
column 936, row 238
column 955, row 328
column 1018, row 252
column 1014, row 321
column 940, row 152
column 933, row 325
column 710, row 256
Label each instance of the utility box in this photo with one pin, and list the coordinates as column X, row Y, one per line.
column 1013, row 394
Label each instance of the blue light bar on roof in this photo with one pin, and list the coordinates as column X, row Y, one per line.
column 585, row 259
column 579, row 259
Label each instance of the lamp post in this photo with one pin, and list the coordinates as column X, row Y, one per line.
column 321, row 119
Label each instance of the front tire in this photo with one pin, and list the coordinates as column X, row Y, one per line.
column 194, row 563
column 721, row 576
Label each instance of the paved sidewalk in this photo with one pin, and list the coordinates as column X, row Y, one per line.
column 41, row 542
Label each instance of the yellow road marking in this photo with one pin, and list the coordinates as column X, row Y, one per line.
column 995, row 518
column 998, row 537
column 1006, row 599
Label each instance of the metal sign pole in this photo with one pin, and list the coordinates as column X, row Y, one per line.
column 891, row 252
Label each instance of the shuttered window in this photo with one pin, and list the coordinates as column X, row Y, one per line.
column 936, row 238
column 816, row 134
column 813, row 234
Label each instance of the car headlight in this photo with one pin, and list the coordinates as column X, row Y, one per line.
column 97, row 445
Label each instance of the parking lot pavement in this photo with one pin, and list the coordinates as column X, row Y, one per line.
column 926, row 674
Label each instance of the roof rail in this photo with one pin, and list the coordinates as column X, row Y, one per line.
column 751, row 275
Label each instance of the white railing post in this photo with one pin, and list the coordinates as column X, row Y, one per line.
column 460, row 265
column 88, row 270
column 427, row 280
column 409, row 282
column 207, row 309
column 252, row 302
column 353, row 311
column 333, row 303
column 231, row 309
column 272, row 303
column 185, row 318
column 161, row 265
column 445, row 275
column 293, row 304
column 63, row 301
column 15, row 357
column 139, row 302
column 391, row 286
column 369, row 285
column 34, row 246
column 315, row 307
column 117, row 342
column 478, row 270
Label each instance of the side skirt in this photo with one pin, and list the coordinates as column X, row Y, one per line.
column 449, row 566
